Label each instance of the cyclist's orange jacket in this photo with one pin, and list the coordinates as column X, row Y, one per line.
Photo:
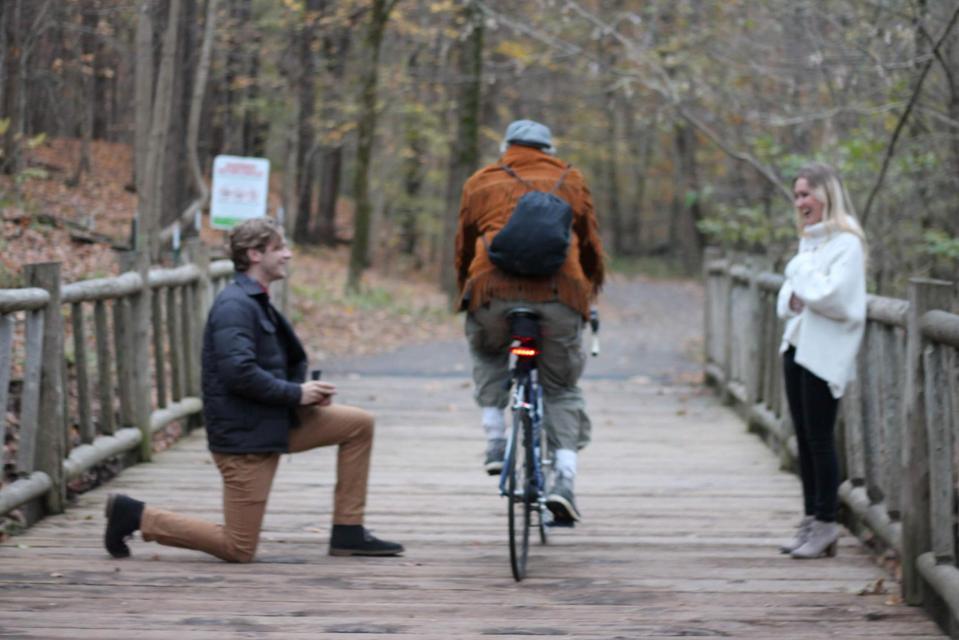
column 488, row 199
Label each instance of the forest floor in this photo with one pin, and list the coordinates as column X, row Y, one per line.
column 45, row 219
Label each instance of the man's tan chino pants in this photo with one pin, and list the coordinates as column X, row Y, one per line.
column 247, row 479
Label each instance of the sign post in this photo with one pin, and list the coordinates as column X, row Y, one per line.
column 240, row 188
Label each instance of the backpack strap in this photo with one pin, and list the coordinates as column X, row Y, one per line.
column 561, row 178
column 508, row 169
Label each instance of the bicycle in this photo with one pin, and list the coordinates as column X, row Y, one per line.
column 525, row 485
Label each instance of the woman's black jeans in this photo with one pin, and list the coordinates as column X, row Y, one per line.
column 813, row 411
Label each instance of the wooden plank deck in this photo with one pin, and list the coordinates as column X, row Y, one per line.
column 683, row 511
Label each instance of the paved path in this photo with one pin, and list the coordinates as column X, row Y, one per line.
column 650, row 329
column 683, row 512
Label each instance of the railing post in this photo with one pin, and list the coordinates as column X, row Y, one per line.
column 199, row 255
column 727, row 348
column 924, row 294
column 85, row 418
column 853, row 431
column 140, row 327
column 51, row 431
column 710, row 254
column 754, row 349
column 202, row 298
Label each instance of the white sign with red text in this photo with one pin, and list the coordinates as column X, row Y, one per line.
column 240, row 188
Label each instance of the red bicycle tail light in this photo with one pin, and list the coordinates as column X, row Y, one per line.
column 523, row 351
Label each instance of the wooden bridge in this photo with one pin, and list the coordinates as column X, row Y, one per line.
column 684, row 507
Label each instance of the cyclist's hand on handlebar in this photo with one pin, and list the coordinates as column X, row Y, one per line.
column 594, row 325
column 317, row 392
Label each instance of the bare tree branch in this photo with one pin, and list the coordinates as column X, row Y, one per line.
column 890, row 150
column 742, row 156
column 664, row 86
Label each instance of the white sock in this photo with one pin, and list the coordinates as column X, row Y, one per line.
column 566, row 462
column 494, row 423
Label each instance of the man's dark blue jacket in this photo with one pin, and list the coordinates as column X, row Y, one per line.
column 253, row 365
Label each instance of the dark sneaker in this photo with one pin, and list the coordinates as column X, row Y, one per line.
column 560, row 501
column 355, row 540
column 495, row 452
column 123, row 518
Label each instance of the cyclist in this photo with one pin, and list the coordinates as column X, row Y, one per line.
column 562, row 300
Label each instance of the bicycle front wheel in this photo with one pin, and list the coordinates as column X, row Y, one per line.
column 520, row 498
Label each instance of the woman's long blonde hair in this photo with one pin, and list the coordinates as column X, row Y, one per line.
column 838, row 212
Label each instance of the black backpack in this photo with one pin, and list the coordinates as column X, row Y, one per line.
column 535, row 239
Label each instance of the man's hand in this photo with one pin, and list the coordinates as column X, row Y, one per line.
column 317, row 392
column 795, row 304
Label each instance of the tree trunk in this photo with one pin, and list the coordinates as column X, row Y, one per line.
column 143, row 95
column 464, row 148
column 686, row 235
column 641, row 145
column 102, row 89
column 254, row 129
column 290, row 175
column 189, row 213
column 612, row 159
column 196, row 101
column 150, row 202
column 5, row 18
column 412, row 167
column 178, row 191
column 336, row 47
column 14, row 87
column 306, row 146
column 86, row 77
column 237, row 66
column 366, row 130
column 331, row 171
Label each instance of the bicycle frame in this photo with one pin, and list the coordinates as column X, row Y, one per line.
column 527, row 383
column 522, row 480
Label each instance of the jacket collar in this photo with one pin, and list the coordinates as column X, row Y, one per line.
column 249, row 286
column 519, row 155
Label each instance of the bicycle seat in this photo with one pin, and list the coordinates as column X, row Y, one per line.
column 523, row 323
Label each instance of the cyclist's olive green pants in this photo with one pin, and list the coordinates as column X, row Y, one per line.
column 560, row 363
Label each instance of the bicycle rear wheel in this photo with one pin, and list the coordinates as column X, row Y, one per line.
column 520, row 496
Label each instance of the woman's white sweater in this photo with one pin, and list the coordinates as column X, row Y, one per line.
column 828, row 276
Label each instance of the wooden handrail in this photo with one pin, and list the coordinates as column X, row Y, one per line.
column 940, row 326
column 141, row 321
column 13, row 300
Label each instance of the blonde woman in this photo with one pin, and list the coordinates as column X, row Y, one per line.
column 823, row 301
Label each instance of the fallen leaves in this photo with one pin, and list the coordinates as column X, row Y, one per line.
column 875, row 588
column 393, row 310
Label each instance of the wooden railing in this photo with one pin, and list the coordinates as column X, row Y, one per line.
column 134, row 342
column 899, row 418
